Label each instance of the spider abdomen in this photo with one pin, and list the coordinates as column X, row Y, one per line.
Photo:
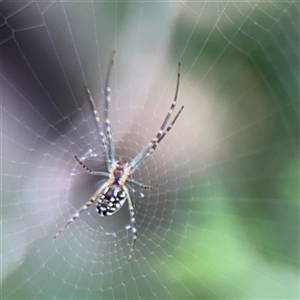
column 111, row 200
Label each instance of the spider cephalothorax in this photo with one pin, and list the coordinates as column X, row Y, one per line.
column 111, row 195
column 119, row 172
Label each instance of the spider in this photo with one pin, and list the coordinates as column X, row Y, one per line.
column 112, row 195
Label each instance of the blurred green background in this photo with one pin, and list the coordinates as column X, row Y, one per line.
column 224, row 222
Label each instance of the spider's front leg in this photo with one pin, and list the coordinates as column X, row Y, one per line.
column 148, row 150
column 107, row 94
column 101, row 135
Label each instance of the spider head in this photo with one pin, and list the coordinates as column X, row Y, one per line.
column 121, row 164
column 119, row 169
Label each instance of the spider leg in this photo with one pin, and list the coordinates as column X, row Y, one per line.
column 133, row 223
column 152, row 145
column 101, row 135
column 83, row 208
column 143, row 154
column 172, row 105
column 107, row 94
column 92, row 172
column 141, row 185
column 167, row 130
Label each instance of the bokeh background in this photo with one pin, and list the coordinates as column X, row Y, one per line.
column 224, row 220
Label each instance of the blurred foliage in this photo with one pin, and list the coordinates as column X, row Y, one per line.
column 254, row 205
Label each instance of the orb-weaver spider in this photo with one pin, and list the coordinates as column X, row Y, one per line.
column 112, row 195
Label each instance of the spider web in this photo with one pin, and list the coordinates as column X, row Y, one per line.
column 224, row 220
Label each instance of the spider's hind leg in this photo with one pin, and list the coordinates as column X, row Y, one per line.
column 83, row 208
column 133, row 224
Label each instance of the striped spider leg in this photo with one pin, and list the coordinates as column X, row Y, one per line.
column 112, row 195
column 149, row 149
